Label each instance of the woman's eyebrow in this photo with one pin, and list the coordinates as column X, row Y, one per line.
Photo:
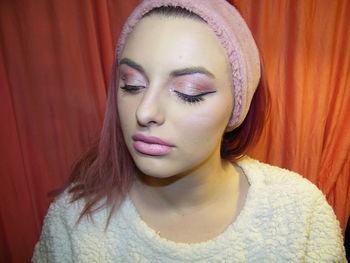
column 175, row 73
column 132, row 64
column 192, row 70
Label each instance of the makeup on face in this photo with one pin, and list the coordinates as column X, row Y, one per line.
column 181, row 93
column 193, row 84
column 131, row 76
column 151, row 145
column 189, row 84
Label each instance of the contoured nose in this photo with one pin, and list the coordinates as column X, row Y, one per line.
column 150, row 110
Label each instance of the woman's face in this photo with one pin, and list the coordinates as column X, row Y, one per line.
column 174, row 84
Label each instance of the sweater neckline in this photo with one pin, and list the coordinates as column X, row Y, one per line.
column 148, row 235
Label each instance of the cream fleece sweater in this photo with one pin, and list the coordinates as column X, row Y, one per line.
column 285, row 219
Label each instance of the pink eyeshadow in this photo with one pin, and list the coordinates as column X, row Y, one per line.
column 131, row 76
column 195, row 83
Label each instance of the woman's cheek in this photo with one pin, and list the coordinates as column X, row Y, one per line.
column 201, row 128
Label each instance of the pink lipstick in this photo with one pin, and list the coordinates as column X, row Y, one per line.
column 151, row 145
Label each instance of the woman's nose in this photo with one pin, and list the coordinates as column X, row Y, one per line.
column 149, row 112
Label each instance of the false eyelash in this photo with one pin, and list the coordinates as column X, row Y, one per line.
column 131, row 88
column 189, row 98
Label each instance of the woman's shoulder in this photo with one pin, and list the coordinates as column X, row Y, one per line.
column 64, row 209
column 55, row 235
column 68, row 210
column 285, row 194
column 283, row 201
column 279, row 180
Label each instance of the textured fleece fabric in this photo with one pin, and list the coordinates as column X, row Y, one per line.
column 285, row 219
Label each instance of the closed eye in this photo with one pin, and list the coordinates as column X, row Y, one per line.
column 192, row 98
column 131, row 88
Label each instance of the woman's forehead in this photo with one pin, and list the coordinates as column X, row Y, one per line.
column 175, row 42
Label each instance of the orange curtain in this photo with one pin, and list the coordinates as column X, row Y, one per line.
column 306, row 50
column 55, row 62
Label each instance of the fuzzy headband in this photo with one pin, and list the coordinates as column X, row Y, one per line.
column 234, row 35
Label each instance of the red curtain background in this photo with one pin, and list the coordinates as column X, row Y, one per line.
column 55, row 62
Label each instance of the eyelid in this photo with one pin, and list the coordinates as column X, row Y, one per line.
column 130, row 73
column 131, row 88
column 193, row 84
column 196, row 95
column 192, row 99
column 132, row 80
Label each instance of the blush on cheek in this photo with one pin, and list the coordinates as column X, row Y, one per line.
column 202, row 130
column 203, row 122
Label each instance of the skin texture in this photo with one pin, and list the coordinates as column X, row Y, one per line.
column 175, row 190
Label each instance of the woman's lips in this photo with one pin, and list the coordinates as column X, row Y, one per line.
column 151, row 145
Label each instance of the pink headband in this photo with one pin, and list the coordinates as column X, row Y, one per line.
column 233, row 34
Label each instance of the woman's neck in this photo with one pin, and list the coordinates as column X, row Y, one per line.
column 208, row 184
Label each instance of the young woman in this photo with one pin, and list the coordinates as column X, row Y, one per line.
column 169, row 180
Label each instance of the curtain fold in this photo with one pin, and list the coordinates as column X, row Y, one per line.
column 55, row 65
column 306, row 49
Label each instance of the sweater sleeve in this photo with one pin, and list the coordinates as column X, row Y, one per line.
column 54, row 244
column 325, row 242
